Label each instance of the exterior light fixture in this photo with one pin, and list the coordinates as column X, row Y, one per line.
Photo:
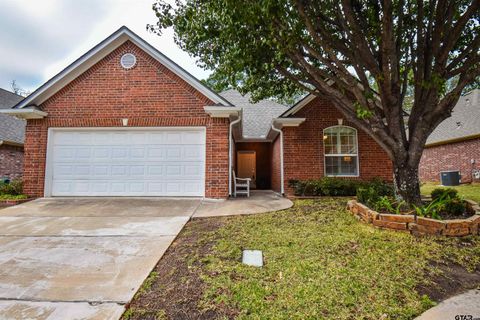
column 125, row 122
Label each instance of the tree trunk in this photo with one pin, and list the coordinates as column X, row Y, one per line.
column 406, row 183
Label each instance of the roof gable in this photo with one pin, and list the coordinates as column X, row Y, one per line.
column 298, row 106
column 100, row 51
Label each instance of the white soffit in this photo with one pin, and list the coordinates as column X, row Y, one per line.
column 288, row 122
column 222, row 112
column 27, row 113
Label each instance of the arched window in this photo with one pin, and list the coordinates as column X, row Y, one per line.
column 341, row 151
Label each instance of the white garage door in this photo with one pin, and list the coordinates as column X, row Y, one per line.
column 115, row 162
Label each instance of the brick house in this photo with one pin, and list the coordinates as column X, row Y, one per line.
column 12, row 134
column 124, row 120
column 455, row 143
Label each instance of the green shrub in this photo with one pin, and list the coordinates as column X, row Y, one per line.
column 331, row 186
column 444, row 200
column 372, row 192
column 15, row 187
column 389, row 204
column 455, row 206
column 12, row 197
column 447, row 192
column 367, row 196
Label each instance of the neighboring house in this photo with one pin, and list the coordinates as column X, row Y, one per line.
column 124, row 120
column 455, row 143
column 12, row 134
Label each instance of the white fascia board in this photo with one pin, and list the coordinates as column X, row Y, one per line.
column 288, row 122
column 222, row 112
column 302, row 103
column 100, row 51
column 25, row 113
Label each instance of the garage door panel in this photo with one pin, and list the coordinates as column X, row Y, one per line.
column 121, row 163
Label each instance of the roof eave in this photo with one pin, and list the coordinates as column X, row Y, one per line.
column 26, row 114
column 288, row 122
column 222, row 111
column 11, row 143
column 279, row 123
column 454, row 140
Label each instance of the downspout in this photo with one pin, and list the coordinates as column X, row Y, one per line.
column 282, row 191
column 230, row 149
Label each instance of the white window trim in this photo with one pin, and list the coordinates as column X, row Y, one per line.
column 357, row 155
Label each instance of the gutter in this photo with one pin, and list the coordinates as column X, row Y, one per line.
column 230, row 149
column 282, row 191
column 454, row 140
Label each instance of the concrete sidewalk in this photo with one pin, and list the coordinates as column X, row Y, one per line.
column 465, row 304
column 260, row 201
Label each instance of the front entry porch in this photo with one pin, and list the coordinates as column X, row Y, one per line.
column 253, row 160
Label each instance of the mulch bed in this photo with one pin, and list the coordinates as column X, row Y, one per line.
column 453, row 280
column 178, row 289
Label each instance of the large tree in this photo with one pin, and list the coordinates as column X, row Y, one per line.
column 367, row 56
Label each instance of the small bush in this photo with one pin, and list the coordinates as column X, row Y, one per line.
column 338, row 187
column 444, row 192
column 373, row 192
column 455, row 206
column 12, row 197
column 330, row 186
column 14, row 187
column 450, row 201
column 445, row 201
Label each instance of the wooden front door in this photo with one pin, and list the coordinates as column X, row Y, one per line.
column 246, row 166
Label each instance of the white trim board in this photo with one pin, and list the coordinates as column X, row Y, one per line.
column 100, row 51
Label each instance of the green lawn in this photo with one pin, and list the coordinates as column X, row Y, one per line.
column 320, row 263
column 469, row 191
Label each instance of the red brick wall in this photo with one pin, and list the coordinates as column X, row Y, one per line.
column 148, row 95
column 276, row 165
column 11, row 161
column 303, row 146
column 452, row 156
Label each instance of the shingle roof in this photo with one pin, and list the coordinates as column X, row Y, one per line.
column 11, row 128
column 257, row 117
column 464, row 122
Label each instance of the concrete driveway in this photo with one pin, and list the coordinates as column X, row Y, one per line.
column 82, row 258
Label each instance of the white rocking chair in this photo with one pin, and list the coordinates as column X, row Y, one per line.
column 241, row 185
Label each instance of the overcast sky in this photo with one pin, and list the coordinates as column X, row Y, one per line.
column 38, row 38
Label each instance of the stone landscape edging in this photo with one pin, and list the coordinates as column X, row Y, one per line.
column 419, row 225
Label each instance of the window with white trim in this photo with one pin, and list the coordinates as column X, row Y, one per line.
column 341, row 151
